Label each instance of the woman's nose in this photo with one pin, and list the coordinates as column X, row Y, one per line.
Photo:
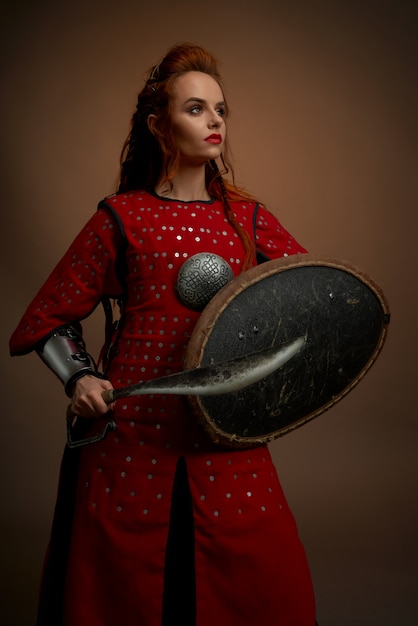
column 215, row 121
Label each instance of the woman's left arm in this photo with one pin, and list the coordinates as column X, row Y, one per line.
column 273, row 241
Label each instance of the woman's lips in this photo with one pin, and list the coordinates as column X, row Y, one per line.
column 214, row 139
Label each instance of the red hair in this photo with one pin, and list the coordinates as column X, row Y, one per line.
column 146, row 155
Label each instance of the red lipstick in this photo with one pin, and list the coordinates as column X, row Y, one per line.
column 215, row 138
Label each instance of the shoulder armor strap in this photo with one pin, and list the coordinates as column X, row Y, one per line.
column 112, row 327
column 120, row 267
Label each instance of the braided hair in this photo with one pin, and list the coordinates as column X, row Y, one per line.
column 146, row 155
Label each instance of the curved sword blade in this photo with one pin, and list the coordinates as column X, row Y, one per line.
column 215, row 379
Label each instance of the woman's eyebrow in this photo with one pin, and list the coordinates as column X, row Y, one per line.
column 193, row 99
column 202, row 101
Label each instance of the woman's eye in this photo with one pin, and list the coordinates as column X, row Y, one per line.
column 196, row 109
column 221, row 112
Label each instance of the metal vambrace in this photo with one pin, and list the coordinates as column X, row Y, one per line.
column 64, row 353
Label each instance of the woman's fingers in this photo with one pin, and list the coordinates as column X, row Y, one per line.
column 87, row 400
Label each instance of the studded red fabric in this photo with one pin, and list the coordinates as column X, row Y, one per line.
column 250, row 565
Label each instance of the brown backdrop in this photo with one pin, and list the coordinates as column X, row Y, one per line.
column 323, row 131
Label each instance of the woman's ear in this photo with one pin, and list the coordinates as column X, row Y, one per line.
column 151, row 121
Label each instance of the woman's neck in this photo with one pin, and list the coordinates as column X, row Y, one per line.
column 187, row 184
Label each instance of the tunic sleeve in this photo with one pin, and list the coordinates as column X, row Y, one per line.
column 272, row 240
column 84, row 275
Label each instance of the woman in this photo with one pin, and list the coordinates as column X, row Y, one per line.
column 154, row 523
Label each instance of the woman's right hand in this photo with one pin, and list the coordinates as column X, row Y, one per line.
column 87, row 400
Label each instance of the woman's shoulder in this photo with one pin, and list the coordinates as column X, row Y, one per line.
column 126, row 198
column 244, row 204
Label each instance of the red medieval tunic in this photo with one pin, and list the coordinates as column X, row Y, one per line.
column 249, row 566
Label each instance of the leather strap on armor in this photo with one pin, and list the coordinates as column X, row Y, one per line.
column 65, row 354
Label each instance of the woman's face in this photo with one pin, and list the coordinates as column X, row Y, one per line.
column 198, row 115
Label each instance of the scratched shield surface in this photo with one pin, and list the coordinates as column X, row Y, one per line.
column 339, row 310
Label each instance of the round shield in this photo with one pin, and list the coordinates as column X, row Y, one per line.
column 338, row 309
